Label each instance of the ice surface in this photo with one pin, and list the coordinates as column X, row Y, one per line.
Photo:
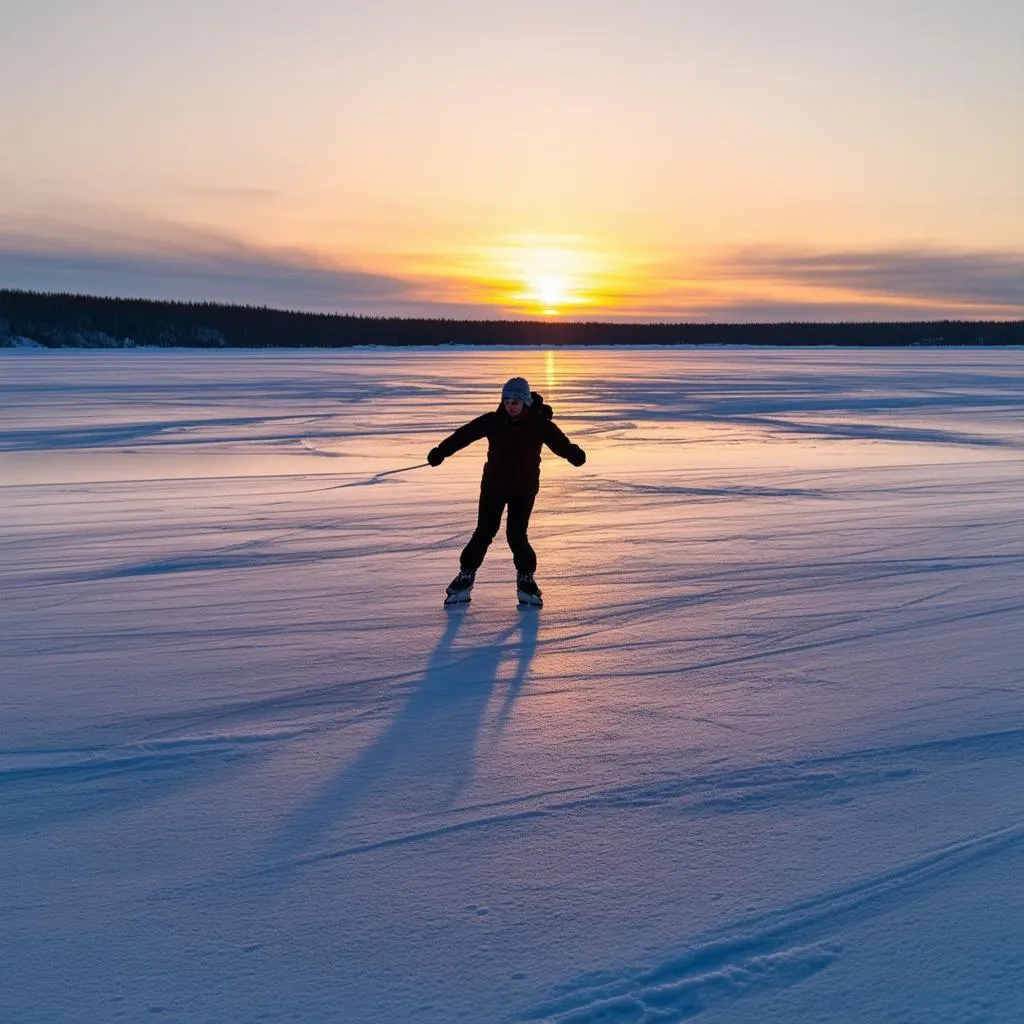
column 759, row 758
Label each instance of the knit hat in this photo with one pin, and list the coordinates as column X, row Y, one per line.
column 517, row 388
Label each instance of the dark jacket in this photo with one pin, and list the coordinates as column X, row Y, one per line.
column 513, row 446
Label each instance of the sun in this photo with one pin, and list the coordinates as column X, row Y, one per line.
column 545, row 275
column 552, row 278
column 549, row 292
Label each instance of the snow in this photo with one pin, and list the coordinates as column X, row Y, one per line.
column 17, row 341
column 759, row 758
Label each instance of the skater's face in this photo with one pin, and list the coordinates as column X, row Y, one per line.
column 513, row 406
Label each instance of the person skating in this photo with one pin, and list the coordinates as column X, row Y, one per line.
column 515, row 432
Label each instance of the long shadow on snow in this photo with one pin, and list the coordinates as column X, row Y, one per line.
column 425, row 757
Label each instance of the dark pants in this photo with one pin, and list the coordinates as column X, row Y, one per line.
column 516, row 523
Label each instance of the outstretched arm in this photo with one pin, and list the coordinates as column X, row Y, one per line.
column 562, row 446
column 455, row 442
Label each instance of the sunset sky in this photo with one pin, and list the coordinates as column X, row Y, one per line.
column 583, row 159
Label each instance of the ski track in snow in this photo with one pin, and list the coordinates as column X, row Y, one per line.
column 772, row 950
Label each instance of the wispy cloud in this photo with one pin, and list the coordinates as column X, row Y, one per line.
column 122, row 254
column 985, row 282
column 249, row 279
column 144, row 259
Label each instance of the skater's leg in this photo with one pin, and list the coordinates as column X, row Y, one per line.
column 487, row 522
column 517, row 522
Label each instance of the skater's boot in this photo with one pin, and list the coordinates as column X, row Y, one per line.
column 527, row 590
column 460, row 588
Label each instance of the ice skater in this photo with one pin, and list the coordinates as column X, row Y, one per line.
column 515, row 432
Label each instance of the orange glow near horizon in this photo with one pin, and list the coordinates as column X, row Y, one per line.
column 543, row 276
column 551, row 276
column 550, row 292
column 546, row 277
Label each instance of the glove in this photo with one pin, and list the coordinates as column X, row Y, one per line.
column 434, row 457
column 577, row 456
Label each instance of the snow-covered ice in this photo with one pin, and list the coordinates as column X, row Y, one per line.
column 759, row 759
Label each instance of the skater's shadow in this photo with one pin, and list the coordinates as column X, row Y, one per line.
column 524, row 650
column 426, row 755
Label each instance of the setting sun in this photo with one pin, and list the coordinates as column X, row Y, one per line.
column 551, row 277
column 544, row 275
column 551, row 293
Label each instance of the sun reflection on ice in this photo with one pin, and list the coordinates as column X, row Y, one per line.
column 551, row 373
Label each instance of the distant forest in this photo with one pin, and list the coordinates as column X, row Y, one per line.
column 83, row 321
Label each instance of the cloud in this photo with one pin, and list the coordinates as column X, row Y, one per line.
column 985, row 282
column 132, row 256
column 144, row 259
column 249, row 279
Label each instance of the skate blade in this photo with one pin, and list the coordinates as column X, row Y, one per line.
column 529, row 599
column 453, row 599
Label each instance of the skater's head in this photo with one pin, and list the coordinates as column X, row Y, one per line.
column 515, row 396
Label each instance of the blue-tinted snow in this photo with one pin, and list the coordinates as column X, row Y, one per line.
column 758, row 759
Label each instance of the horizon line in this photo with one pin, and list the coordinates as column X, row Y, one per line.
column 536, row 321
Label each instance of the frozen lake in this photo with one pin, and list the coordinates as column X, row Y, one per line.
column 758, row 759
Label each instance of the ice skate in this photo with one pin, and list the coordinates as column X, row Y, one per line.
column 527, row 590
column 460, row 589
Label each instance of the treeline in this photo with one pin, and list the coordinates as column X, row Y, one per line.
column 83, row 321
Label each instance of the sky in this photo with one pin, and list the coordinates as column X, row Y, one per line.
column 727, row 160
